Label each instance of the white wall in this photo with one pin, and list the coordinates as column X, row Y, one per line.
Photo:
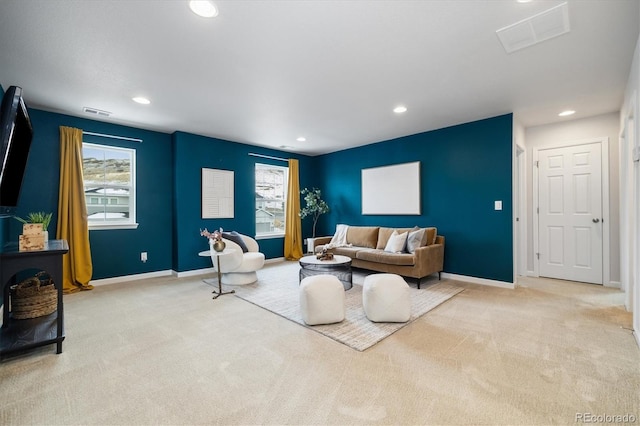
column 606, row 125
column 630, row 108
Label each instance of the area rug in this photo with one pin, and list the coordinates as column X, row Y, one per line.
column 277, row 291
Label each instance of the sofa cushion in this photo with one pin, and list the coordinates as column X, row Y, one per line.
column 380, row 256
column 384, row 233
column 397, row 242
column 363, row 236
column 346, row 251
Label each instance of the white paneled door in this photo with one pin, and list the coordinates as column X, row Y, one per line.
column 570, row 217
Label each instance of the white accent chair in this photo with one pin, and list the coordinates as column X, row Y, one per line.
column 239, row 268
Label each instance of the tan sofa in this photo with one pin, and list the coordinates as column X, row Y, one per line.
column 366, row 244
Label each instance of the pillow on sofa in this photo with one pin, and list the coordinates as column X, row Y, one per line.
column 384, row 233
column 236, row 238
column 396, row 243
column 414, row 239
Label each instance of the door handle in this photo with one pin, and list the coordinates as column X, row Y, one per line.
column 596, row 220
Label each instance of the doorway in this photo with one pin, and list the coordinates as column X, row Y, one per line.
column 571, row 204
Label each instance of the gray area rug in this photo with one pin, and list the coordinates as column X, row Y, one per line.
column 277, row 291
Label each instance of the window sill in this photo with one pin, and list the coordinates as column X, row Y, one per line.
column 268, row 236
column 103, row 226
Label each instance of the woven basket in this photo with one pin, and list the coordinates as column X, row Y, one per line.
column 34, row 297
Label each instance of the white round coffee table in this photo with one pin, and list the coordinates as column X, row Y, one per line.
column 339, row 266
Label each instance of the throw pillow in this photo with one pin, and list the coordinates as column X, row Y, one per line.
column 236, row 238
column 396, row 242
column 414, row 240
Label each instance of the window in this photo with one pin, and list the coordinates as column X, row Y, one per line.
column 271, row 200
column 109, row 186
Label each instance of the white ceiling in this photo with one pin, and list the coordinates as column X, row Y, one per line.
column 267, row 72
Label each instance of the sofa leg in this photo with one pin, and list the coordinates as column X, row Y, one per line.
column 419, row 279
column 439, row 276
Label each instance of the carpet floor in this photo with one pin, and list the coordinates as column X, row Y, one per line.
column 278, row 292
column 160, row 351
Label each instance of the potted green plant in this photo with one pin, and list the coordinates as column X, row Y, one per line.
column 315, row 206
column 38, row 217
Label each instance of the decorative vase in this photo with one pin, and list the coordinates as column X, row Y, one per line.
column 219, row 245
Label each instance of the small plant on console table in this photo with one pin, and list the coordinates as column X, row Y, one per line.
column 315, row 207
column 37, row 217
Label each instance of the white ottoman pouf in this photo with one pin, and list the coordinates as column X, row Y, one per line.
column 385, row 298
column 322, row 300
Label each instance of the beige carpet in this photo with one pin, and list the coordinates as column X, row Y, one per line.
column 161, row 352
column 278, row 293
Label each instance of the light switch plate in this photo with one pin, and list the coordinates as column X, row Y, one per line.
column 636, row 153
column 498, row 205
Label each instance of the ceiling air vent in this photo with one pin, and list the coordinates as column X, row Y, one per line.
column 97, row 112
column 536, row 29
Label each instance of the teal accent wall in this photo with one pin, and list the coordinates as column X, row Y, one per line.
column 191, row 153
column 464, row 169
column 114, row 252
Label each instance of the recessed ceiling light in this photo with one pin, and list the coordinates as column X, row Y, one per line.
column 141, row 100
column 400, row 109
column 203, row 8
column 301, row 139
column 566, row 113
column 524, row 1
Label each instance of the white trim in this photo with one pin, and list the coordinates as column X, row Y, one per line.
column 519, row 227
column 481, row 281
column 131, row 221
column 637, row 336
column 123, row 278
column 275, row 260
column 613, row 284
column 103, row 226
column 193, row 272
column 606, row 220
column 269, row 236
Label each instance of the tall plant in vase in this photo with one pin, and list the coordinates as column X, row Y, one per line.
column 315, row 206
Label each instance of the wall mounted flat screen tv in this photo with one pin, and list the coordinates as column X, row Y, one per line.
column 16, row 134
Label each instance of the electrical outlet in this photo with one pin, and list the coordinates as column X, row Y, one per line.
column 143, row 256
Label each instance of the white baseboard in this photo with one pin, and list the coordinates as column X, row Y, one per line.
column 613, row 284
column 637, row 336
column 275, row 260
column 481, row 281
column 113, row 280
column 193, row 273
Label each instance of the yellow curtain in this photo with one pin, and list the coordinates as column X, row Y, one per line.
column 293, row 225
column 72, row 226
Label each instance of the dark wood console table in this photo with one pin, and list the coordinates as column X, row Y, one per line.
column 17, row 335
